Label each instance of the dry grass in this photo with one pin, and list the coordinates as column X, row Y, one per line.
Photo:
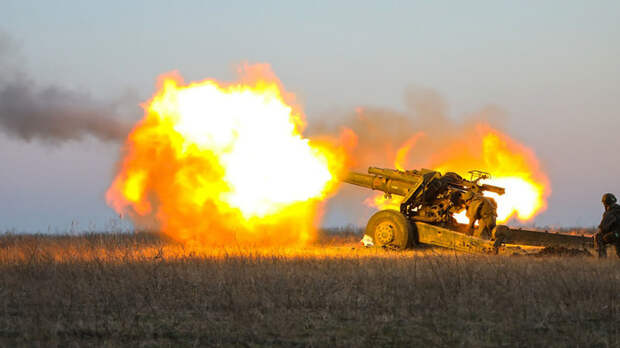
column 139, row 290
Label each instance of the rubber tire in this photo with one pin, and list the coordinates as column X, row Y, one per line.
column 403, row 229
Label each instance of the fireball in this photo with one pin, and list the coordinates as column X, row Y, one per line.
column 225, row 163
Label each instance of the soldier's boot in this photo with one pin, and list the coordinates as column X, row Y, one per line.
column 618, row 249
column 602, row 251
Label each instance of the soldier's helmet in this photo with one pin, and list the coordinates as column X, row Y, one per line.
column 609, row 199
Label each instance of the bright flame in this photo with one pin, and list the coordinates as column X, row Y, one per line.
column 222, row 163
column 461, row 217
column 523, row 198
column 401, row 154
column 512, row 166
column 379, row 200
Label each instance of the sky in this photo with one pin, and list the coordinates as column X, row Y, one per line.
column 552, row 67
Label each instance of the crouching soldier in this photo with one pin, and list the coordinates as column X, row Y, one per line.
column 481, row 209
column 609, row 229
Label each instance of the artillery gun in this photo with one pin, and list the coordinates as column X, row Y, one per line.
column 429, row 202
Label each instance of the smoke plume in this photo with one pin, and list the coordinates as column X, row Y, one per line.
column 52, row 114
column 380, row 132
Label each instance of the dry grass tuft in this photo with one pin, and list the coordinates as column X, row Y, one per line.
column 140, row 290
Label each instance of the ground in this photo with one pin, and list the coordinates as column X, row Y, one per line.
column 140, row 290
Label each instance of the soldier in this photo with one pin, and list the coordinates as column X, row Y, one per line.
column 483, row 209
column 609, row 229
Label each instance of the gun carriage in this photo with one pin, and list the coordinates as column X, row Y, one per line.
column 427, row 208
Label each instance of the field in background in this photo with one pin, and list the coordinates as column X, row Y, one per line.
column 139, row 289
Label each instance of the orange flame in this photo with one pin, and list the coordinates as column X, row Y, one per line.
column 512, row 165
column 380, row 200
column 225, row 163
column 401, row 154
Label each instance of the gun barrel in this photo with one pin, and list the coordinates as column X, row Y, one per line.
column 492, row 188
column 396, row 174
column 387, row 185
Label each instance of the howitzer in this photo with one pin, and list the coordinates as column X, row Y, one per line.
column 429, row 202
column 427, row 195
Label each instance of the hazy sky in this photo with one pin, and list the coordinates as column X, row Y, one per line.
column 552, row 66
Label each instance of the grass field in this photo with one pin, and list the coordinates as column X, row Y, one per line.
column 140, row 290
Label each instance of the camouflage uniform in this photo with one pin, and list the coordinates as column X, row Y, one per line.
column 483, row 209
column 609, row 228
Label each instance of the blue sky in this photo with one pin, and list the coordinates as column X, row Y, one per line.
column 553, row 67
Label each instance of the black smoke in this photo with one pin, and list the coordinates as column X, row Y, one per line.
column 51, row 113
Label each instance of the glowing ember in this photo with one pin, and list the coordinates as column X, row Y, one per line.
column 221, row 163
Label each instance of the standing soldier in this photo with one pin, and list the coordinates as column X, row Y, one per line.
column 483, row 209
column 609, row 229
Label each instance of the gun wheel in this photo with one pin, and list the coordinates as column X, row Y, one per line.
column 389, row 228
column 384, row 233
